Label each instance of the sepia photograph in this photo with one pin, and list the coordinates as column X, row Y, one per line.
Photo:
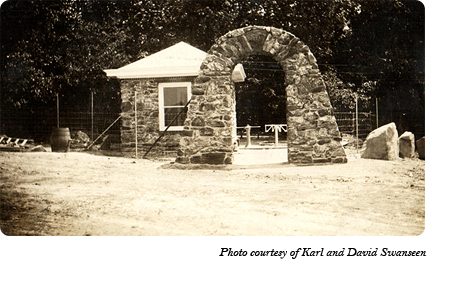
column 229, row 143
column 213, row 118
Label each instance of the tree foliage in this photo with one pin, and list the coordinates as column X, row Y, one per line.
column 261, row 98
column 365, row 49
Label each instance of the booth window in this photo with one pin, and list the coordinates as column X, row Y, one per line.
column 172, row 99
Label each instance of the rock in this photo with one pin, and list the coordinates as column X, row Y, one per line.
column 80, row 136
column 95, row 147
column 407, row 145
column 213, row 158
column 79, row 139
column 228, row 160
column 382, row 143
column 38, row 148
column 198, row 122
column 421, row 147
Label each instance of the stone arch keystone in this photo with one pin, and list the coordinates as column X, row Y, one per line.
column 210, row 126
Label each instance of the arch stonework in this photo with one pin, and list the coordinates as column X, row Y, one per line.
column 210, row 126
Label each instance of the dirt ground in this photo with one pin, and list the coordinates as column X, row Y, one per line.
column 78, row 193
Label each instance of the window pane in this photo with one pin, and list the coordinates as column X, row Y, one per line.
column 175, row 96
column 170, row 113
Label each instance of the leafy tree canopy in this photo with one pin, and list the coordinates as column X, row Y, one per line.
column 365, row 49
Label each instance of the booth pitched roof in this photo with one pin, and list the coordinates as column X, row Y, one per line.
column 178, row 60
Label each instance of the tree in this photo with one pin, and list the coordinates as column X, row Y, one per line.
column 59, row 55
column 365, row 49
column 261, row 98
column 385, row 45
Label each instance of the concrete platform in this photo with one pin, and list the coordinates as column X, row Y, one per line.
column 260, row 155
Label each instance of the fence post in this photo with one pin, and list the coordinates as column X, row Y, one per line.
column 356, row 120
column 135, row 111
column 92, row 115
column 247, row 131
column 58, row 112
column 353, row 123
column 276, row 135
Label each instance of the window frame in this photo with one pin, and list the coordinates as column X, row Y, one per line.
column 161, row 103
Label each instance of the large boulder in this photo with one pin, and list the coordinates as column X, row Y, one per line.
column 382, row 143
column 421, row 147
column 407, row 145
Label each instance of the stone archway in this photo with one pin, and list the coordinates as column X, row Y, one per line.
column 210, row 127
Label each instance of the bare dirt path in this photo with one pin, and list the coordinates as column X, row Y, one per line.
column 81, row 194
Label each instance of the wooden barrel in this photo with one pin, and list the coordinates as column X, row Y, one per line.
column 60, row 139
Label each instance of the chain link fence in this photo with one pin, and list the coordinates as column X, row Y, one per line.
column 38, row 124
column 348, row 123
